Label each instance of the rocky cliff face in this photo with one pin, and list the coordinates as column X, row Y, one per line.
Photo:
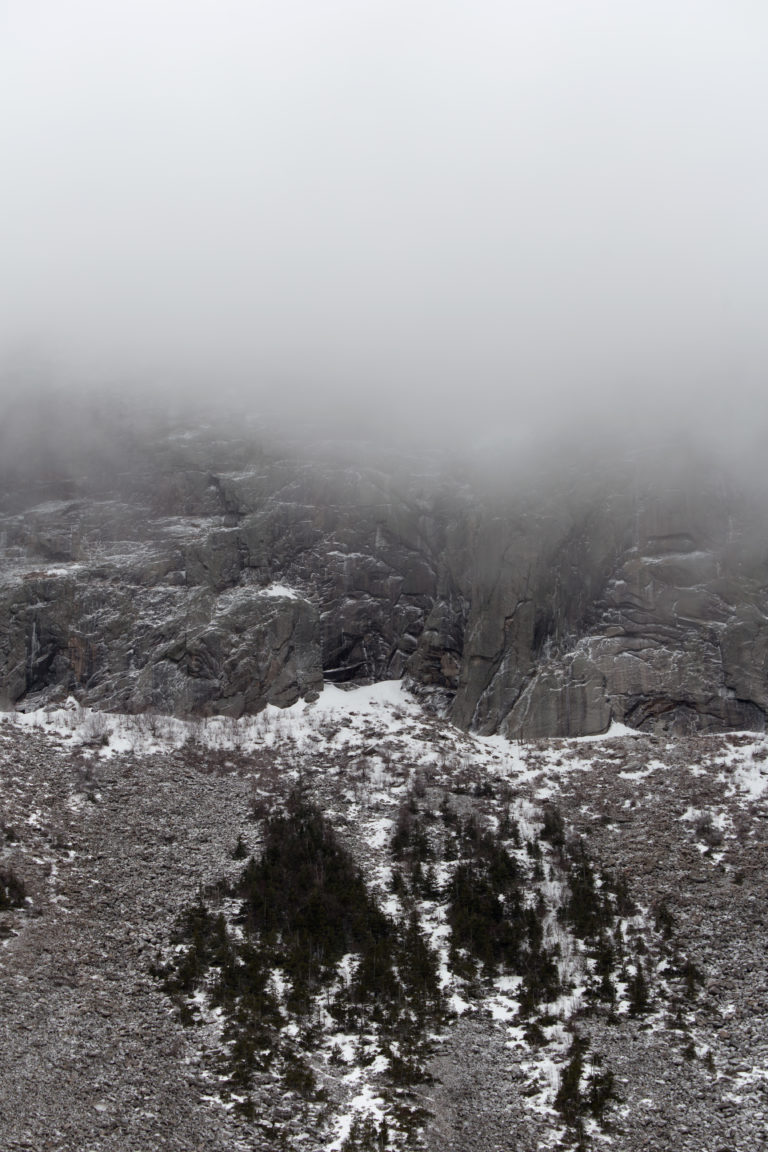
column 212, row 577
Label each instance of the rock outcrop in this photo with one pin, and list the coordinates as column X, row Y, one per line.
column 214, row 577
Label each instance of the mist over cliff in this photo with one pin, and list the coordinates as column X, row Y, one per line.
column 446, row 325
column 198, row 565
column 517, row 226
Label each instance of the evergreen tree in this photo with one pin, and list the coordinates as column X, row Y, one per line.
column 638, row 991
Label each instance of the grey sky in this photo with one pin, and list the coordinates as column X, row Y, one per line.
column 517, row 207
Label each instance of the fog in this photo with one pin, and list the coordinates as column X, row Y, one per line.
column 488, row 223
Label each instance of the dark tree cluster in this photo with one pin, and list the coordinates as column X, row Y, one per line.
column 493, row 922
column 579, row 1097
column 303, row 906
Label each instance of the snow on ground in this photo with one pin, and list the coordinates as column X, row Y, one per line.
column 374, row 712
column 361, row 721
column 280, row 592
column 750, row 771
column 105, row 733
column 366, row 1104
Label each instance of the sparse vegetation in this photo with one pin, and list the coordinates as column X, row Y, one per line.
column 303, row 908
column 280, row 1021
column 13, row 890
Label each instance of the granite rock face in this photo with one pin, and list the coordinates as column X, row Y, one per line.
column 675, row 637
column 213, row 577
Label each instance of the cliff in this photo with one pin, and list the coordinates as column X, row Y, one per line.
column 204, row 573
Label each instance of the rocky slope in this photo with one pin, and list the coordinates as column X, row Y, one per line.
column 115, row 826
column 201, row 574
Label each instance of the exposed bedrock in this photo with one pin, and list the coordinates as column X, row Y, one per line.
column 214, row 579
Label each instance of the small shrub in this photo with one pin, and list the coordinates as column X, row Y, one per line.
column 664, row 921
column 692, row 977
column 298, row 1077
column 553, row 828
column 706, row 831
column 13, row 892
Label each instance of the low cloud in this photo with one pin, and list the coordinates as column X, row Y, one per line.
column 515, row 224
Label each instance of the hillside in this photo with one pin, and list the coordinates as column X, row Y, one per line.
column 608, row 857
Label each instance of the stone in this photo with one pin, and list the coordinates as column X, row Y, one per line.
column 553, row 607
